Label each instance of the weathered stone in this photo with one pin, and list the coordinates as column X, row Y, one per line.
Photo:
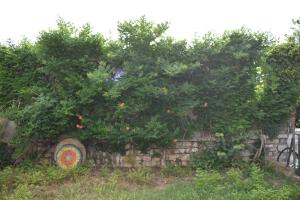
column 139, row 158
column 180, row 151
column 179, row 144
column 185, row 157
column 146, row 158
column 280, row 136
column 195, row 144
column 184, row 163
column 274, row 141
column 270, row 153
column 7, row 130
column 283, row 141
column 281, row 147
column 188, row 144
column 245, row 153
column 269, row 146
column 170, row 151
column 156, row 162
column 172, row 157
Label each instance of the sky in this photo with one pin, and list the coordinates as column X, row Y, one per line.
column 187, row 18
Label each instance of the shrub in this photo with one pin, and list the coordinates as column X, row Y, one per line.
column 235, row 184
column 140, row 175
column 28, row 174
column 146, row 88
column 176, row 170
column 22, row 192
column 225, row 153
column 5, row 155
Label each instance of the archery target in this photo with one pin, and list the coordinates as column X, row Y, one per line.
column 69, row 153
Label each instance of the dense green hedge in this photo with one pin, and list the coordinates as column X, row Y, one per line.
column 226, row 84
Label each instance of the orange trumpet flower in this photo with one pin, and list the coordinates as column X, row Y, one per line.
column 79, row 126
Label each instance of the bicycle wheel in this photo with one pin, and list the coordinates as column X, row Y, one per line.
column 287, row 156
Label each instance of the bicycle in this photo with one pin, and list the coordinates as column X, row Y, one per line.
column 290, row 150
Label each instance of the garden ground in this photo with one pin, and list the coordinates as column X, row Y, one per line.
column 171, row 182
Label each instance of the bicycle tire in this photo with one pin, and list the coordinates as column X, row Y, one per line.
column 283, row 150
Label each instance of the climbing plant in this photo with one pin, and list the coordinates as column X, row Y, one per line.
column 146, row 88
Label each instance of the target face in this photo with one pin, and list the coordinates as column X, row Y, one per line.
column 69, row 154
column 68, row 157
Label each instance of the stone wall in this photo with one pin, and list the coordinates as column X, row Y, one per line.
column 272, row 146
column 179, row 153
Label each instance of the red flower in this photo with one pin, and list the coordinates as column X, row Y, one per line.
column 79, row 126
column 205, row 105
column 80, row 117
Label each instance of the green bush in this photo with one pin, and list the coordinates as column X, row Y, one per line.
column 22, row 192
column 140, row 175
column 176, row 170
column 235, row 184
column 147, row 88
column 47, row 182
column 224, row 153
column 28, row 174
column 5, row 155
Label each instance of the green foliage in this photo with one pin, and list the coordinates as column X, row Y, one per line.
column 249, row 182
column 22, row 192
column 225, row 153
column 235, row 184
column 19, row 74
column 296, row 34
column 226, row 84
column 104, row 171
column 5, row 155
column 225, row 79
column 140, row 175
column 282, row 85
column 21, row 178
column 176, row 171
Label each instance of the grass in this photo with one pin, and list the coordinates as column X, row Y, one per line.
column 173, row 183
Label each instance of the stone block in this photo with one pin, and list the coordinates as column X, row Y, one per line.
column 146, row 158
column 185, row 157
column 155, row 162
column 170, row 151
column 184, row 163
column 283, row 141
column 246, row 153
column 172, row 157
column 195, row 144
column 139, row 158
column 7, row 130
column 251, row 141
column 147, row 164
column 188, row 144
column 180, row 151
column 269, row 146
column 281, row 147
column 179, row 144
column 270, row 154
column 281, row 136
column 274, row 141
